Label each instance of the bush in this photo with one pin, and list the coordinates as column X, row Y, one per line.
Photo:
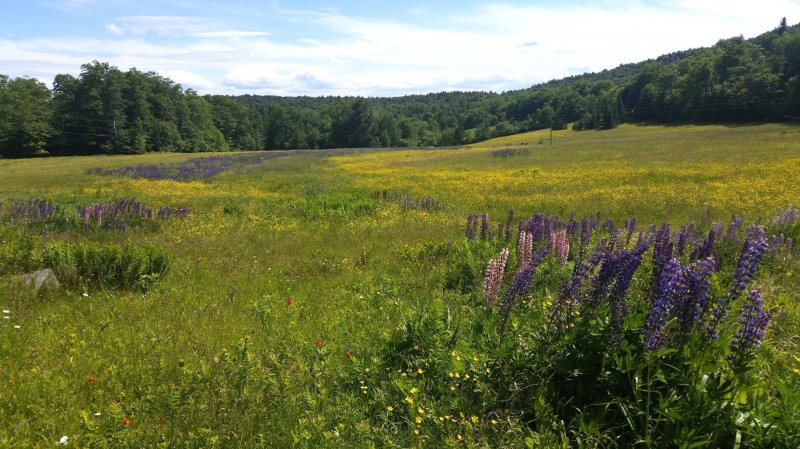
column 107, row 266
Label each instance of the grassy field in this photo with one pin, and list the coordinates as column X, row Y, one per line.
column 292, row 288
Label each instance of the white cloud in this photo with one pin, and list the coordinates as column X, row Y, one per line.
column 493, row 47
column 188, row 79
column 114, row 29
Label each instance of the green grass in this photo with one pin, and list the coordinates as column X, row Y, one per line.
column 215, row 357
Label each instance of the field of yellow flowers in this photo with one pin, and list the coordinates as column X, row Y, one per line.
column 296, row 309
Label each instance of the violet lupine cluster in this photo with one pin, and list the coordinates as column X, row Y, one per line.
column 506, row 152
column 685, row 235
column 662, row 250
column 753, row 320
column 472, row 227
column 630, row 226
column 493, row 277
column 785, row 218
column 201, row 168
column 558, row 246
column 123, row 214
column 755, row 245
column 407, row 202
column 665, row 290
column 522, row 283
column 571, row 295
column 680, row 292
column 31, row 211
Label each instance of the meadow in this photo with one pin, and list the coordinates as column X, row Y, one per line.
column 337, row 298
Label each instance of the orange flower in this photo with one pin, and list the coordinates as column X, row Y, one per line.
column 92, row 381
column 126, row 421
column 290, row 301
column 349, row 355
column 318, row 343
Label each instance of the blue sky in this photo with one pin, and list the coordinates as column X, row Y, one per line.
column 370, row 48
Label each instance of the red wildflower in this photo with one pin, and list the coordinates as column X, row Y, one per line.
column 290, row 301
column 319, row 343
column 91, row 380
column 126, row 421
column 349, row 355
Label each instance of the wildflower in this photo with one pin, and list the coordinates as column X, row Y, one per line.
column 126, row 421
column 290, row 301
column 349, row 355
column 63, row 441
column 418, row 420
column 420, row 371
column 474, row 419
column 414, row 390
column 92, row 380
column 318, row 343
column 494, row 422
column 17, row 326
column 409, row 399
column 390, row 408
column 6, row 311
column 416, row 431
column 420, row 411
column 85, row 295
column 752, row 323
column 493, row 277
column 459, row 437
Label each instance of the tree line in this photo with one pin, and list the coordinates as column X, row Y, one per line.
column 106, row 110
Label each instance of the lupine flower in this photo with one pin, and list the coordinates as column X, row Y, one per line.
column 524, row 248
column 471, row 226
column 662, row 250
column 695, row 281
column 493, row 278
column 752, row 322
column 485, row 227
column 509, row 222
column 630, row 226
column 663, row 304
column 519, row 287
column 755, row 245
column 559, row 247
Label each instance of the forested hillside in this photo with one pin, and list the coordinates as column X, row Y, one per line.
column 106, row 110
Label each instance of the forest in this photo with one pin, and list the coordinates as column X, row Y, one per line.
column 107, row 111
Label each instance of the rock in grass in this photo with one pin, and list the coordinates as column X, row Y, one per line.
column 41, row 278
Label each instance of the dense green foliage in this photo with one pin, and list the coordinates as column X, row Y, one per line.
column 105, row 110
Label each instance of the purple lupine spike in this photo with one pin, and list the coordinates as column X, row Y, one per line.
column 663, row 304
column 735, row 227
column 628, row 263
column 755, row 245
column 630, row 226
column 519, row 287
column 662, row 250
column 509, row 223
column 537, row 227
column 493, row 277
column 485, row 233
column 608, row 224
column 695, row 281
column 753, row 321
column 470, row 232
column 593, row 222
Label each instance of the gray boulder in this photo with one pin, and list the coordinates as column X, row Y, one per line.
column 41, row 279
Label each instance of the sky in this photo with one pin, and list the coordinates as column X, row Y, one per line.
column 364, row 48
